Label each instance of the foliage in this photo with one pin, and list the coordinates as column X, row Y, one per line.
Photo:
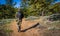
column 30, row 8
column 36, row 7
column 4, row 28
column 39, row 7
column 57, row 8
column 7, row 10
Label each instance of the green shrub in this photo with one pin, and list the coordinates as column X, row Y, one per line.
column 5, row 27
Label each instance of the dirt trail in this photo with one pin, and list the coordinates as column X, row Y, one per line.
column 25, row 24
column 35, row 31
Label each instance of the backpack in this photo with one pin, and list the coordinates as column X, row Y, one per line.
column 19, row 15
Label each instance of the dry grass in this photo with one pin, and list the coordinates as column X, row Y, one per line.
column 4, row 27
column 41, row 30
column 51, row 33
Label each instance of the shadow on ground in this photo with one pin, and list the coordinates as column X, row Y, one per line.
column 31, row 27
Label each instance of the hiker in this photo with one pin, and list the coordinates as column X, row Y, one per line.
column 19, row 16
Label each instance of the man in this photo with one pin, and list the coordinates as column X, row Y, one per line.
column 19, row 16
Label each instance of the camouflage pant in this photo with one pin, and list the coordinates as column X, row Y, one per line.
column 19, row 22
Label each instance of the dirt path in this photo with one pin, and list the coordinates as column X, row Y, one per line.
column 25, row 24
column 36, row 31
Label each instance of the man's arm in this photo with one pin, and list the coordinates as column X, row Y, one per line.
column 16, row 16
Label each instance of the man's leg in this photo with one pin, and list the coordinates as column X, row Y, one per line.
column 19, row 25
column 19, row 28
